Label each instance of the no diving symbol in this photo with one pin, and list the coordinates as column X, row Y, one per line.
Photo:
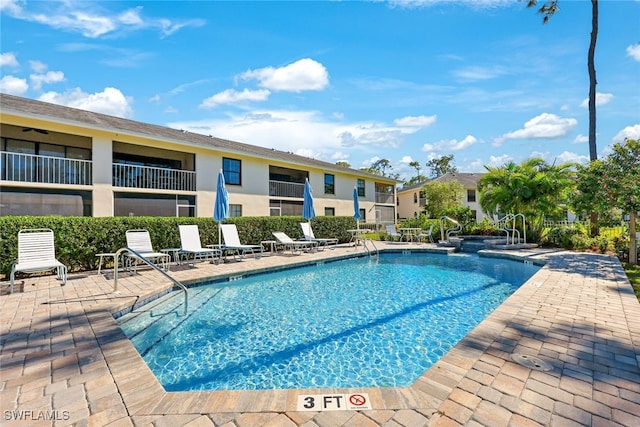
column 357, row 400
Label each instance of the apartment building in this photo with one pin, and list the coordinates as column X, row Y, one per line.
column 58, row 160
column 411, row 201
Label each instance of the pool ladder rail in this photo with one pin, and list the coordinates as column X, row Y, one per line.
column 375, row 251
column 152, row 265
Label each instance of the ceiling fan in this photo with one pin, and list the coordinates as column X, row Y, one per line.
column 42, row 131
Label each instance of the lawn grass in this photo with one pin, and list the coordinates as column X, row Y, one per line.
column 633, row 273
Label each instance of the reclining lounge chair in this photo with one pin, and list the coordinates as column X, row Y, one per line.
column 232, row 242
column 36, row 253
column 310, row 237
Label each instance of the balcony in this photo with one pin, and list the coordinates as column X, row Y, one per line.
column 286, row 189
column 151, row 178
column 384, row 198
column 44, row 169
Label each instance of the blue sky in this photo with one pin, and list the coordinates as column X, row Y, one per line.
column 351, row 81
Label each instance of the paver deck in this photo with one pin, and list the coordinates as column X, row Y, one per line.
column 65, row 361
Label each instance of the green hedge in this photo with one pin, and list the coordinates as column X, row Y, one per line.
column 78, row 239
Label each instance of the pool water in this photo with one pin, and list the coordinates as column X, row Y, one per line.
column 362, row 322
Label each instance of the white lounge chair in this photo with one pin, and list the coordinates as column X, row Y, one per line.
column 232, row 242
column 293, row 245
column 37, row 253
column 191, row 247
column 307, row 231
column 140, row 241
column 391, row 231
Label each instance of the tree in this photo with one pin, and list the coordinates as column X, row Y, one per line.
column 550, row 8
column 343, row 163
column 533, row 188
column 442, row 196
column 416, row 165
column 379, row 167
column 441, row 166
column 612, row 183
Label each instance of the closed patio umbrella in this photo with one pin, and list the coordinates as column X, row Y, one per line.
column 356, row 207
column 308, row 212
column 221, row 207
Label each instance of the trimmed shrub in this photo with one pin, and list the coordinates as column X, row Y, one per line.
column 78, row 239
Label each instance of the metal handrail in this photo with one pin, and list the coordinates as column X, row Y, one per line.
column 364, row 245
column 449, row 231
column 152, row 265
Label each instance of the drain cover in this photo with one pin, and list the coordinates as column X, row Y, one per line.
column 531, row 362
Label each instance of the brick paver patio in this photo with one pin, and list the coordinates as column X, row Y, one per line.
column 65, row 361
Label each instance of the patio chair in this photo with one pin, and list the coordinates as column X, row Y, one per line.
column 293, row 245
column 36, row 253
column 232, row 242
column 140, row 241
column 191, row 247
column 310, row 237
column 391, row 231
column 426, row 234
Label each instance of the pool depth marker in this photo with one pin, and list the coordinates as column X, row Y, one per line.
column 334, row 402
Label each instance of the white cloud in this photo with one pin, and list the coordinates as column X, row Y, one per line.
column 634, row 51
column 85, row 18
column 545, row 125
column 8, row 59
column 564, row 157
column 302, row 75
column 299, row 131
column 631, row 132
column 110, row 101
column 498, row 161
column 38, row 66
column 231, row 96
column 569, row 157
column 406, row 160
column 451, row 144
column 49, row 77
column 479, row 73
column 580, row 139
column 601, row 99
column 13, row 85
column 415, row 121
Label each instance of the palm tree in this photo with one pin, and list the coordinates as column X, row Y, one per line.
column 533, row 188
column 548, row 9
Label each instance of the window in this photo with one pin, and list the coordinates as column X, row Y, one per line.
column 231, row 168
column 235, row 210
column 329, row 211
column 329, row 184
column 139, row 204
column 415, row 197
column 363, row 215
column 471, row 195
column 361, row 188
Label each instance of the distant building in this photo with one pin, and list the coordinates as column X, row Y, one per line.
column 411, row 201
column 58, row 160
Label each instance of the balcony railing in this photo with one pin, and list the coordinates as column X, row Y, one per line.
column 386, row 198
column 44, row 169
column 286, row 189
column 151, row 178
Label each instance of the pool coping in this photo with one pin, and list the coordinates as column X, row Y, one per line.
column 450, row 391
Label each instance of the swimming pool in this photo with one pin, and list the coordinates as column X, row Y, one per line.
column 355, row 323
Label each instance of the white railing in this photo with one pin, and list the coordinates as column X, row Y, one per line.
column 151, row 178
column 286, row 189
column 386, row 198
column 44, row 169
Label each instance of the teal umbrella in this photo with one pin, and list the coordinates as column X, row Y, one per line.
column 221, row 207
column 356, row 207
column 308, row 212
